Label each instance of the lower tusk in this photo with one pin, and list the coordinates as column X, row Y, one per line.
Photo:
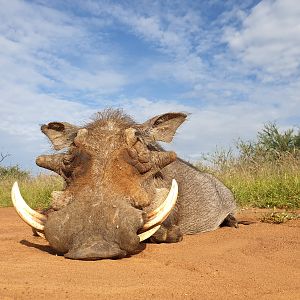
column 145, row 235
column 28, row 215
column 162, row 212
column 41, row 234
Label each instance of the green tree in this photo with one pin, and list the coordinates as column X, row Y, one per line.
column 270, row 144
column 11, row 171
column 272, row 140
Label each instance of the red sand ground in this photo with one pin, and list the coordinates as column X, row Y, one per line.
column 258, row 261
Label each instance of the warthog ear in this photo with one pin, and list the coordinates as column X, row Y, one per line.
column 61, row 134
column 163, row 127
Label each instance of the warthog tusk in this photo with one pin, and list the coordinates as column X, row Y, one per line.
column 157, row 216
column 28, row 215
column 145, row 235
column 41, row 234
column 23, row 203
column 37, row 220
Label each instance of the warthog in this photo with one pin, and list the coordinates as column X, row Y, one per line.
column 116, row 179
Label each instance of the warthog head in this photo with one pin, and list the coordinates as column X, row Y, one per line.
column 111, row 168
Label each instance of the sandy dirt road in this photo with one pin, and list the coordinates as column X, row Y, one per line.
column 258, row 261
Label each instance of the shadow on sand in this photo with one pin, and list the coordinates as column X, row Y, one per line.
column 44, row 248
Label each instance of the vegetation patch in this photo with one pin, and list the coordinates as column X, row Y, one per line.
column 35, row 190
column 277, row 217
column 264, row 173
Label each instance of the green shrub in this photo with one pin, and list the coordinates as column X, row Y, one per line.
column 263, row 173
column 14, row 171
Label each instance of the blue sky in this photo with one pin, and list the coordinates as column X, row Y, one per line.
column 234, row 65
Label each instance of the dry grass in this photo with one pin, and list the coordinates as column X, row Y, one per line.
column 36, row 190
column 278, row 217
column 264, row 184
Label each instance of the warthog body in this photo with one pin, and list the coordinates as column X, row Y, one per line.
column 115, row 173
column 203, row 201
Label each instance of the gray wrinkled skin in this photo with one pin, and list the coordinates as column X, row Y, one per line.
column 203, row 201
column 115, row 172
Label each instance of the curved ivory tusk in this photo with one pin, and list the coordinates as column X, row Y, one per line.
column 37, row 220
column 145, row 235
column 154, row 212
column 162, row 212
column 41, row 234
column 28, row 215
column 23, row 203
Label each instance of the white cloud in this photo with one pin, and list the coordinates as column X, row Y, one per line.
column 22, row 113
column 269, row 38
column 41, row 46
column 213, row 125
column 191, row 70
column 40, row 53
column 53, row 60
column 169, row 30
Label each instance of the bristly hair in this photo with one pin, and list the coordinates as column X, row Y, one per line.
column 109, row 114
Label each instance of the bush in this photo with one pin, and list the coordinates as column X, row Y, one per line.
column 13, row 172
column 263, row 173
